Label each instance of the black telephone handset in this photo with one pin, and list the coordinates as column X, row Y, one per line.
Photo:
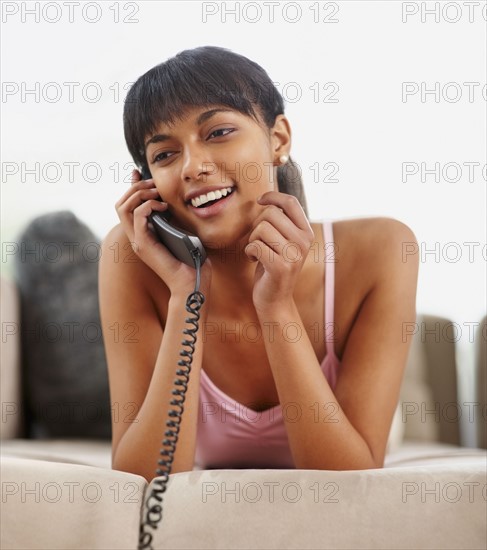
column 180, row 243
column 188, row 249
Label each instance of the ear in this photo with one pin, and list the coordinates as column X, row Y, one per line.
column 281, row 137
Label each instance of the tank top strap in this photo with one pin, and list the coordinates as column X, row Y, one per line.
column 330, row 260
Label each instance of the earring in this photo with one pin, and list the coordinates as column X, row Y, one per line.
column 283, row 159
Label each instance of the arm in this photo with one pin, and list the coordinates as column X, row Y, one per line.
column 348, row 428
column 142, row 363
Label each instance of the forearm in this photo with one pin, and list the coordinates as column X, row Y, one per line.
column 320, row 435
column 139, row 449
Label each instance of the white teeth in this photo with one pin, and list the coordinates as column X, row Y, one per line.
column 211, row 196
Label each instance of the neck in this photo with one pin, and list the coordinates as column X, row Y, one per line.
column 232, row 281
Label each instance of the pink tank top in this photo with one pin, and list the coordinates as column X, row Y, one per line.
column 230, row 435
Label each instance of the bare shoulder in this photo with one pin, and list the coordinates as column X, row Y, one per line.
column 371, row 234
column 375, row 245
column 121, row 265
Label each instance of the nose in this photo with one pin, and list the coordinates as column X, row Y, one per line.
column 195, row 164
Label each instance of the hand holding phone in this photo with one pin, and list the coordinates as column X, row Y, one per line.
column 181, row 244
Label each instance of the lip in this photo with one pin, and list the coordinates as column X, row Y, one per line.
column 203, row 191
column 213, row 209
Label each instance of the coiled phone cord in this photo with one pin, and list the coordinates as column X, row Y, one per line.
column 154, row 511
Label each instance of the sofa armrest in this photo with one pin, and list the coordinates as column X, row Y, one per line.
column 430, row 383
column 10, row 359
column 58, row 505
column 481, row 382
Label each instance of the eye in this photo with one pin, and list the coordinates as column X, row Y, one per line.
column 230, row 130
column 159, row 157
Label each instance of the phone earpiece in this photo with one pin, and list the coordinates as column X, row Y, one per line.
column 181, row 244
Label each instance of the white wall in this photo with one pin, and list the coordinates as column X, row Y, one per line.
column 367, row 54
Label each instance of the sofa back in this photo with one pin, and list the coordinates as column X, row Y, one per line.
column 429, row 393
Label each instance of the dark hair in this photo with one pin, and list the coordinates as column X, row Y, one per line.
column 204, row 76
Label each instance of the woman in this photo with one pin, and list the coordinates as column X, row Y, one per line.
column 300, row 352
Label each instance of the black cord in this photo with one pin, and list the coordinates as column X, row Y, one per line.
column 154, row 511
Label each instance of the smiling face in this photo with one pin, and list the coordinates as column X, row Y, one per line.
column 214, row 148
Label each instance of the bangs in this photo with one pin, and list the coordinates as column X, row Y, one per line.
column 196, row 78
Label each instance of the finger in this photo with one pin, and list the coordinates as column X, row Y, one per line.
column 136, row 176
column 126, row 210
column 268, row 234
column 143, row 211
column 289, row 204
column 276, row 217
column 259, row 251
column 136, row 186
column 139, row 197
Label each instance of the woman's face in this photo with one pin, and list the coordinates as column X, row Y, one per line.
column 213, row 148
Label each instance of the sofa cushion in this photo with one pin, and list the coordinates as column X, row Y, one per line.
column 427, row 496
column 437, row 502
column 64, row 365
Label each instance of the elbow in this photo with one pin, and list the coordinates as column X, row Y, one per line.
column 148, row 475
column 368, row 465
column 340, row 467
column 123, row 466
column 365, row 461
column 130, row 467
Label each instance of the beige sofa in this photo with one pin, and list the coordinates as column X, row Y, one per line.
column 432, row 493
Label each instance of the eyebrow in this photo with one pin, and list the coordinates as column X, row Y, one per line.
column 158, row 138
